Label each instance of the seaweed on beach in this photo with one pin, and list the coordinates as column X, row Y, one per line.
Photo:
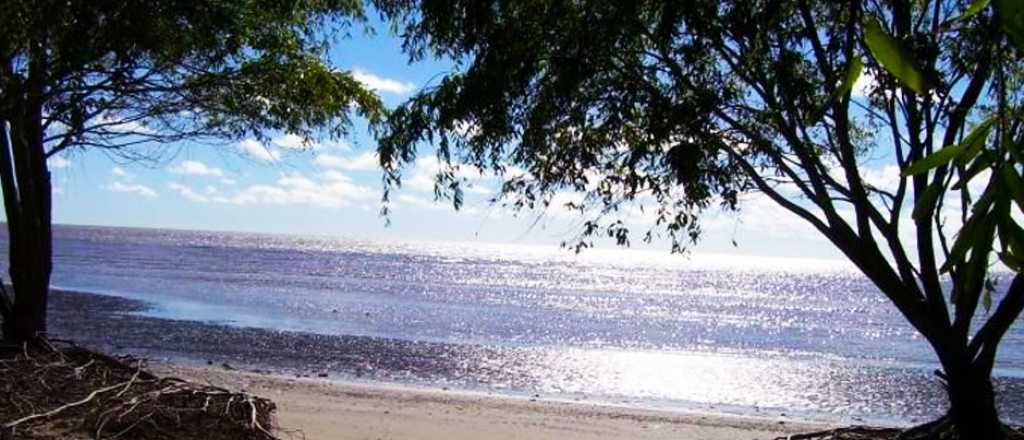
column 68, row 392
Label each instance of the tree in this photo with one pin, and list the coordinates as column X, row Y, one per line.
column 131, row 76
column 684, row 105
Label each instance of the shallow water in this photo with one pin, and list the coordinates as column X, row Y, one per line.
column 639, row 328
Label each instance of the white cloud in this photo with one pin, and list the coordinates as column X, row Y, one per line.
column 141, row 190
column 338, row 144
column 336, row 176
column 477, row 188
column 196, row 168
column 424, row 174
column 228, row 181
column 188, row 192
column 557, row 206
column 328, row 160
column 420, row 202
column 56, row 162
column 362, row 162
column 434, row 205
column 331, row 190
column 294, row 142
column 258, row 194
column 384, row 85
column 761, row 217
column 255, row 149
column 119, row 172
column 291, row 142
column 885, row 178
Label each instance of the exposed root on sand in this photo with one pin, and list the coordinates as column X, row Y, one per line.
column 67, row 392
column 939, row 429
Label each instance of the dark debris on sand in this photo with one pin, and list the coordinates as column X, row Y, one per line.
column 923, row 432
column 67, row 392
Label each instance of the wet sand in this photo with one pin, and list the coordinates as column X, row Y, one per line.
column 349, row 387
column 317, row 409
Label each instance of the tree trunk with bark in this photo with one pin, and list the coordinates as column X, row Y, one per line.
column 25, row 181
column 972, row 405
column 968, row 368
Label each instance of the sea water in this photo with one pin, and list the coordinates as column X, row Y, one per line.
column 755, row 335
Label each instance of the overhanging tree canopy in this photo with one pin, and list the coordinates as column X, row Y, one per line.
column 683, row 105
column 130, row 76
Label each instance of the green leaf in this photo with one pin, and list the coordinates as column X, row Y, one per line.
column 924, row 204
column 977, row 230
column 972, row 272
column 1015, row 234
column 1011, row 236
column 972, row 10
column 1013, row 184
column 1016, row 150
column 964, row 241
column 988, row 198
column 1011, row 17
column 1011, row 261
column 895, row 57
column 963, row 153
column 975, row 140
column 933, row 160
column 981, row 163
column 853, row 72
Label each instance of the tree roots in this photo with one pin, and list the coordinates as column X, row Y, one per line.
column 940, row 429
column 69, row 392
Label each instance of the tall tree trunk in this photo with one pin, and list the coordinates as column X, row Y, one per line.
column 969, row 366
column 27, row 201
column 27, row 192
column 972, row 405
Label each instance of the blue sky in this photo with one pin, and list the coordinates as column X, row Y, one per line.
column 334, row 188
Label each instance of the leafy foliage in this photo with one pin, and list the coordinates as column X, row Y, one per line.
column 685, row 105
column 115, row 74
column 587, row 107
column 895, row 57
column 131, row 76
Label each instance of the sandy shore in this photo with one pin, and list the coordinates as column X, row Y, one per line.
column 317, row 409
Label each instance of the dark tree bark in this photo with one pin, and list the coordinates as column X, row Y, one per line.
column 972, row 406
column 968, row 370
column 26, row 186
column 967, row 373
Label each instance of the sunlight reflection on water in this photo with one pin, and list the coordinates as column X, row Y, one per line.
column 766, row 382
column 784, row 334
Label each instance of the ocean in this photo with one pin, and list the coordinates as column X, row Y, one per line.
column 810, row 339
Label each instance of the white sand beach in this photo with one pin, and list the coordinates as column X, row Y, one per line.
column 320, row 409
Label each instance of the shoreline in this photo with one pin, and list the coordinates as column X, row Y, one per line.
column 115, row 325
column 315, row 409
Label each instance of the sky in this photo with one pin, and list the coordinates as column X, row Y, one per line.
column 334, row 188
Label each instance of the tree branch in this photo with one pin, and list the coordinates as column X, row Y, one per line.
column 982, row 348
